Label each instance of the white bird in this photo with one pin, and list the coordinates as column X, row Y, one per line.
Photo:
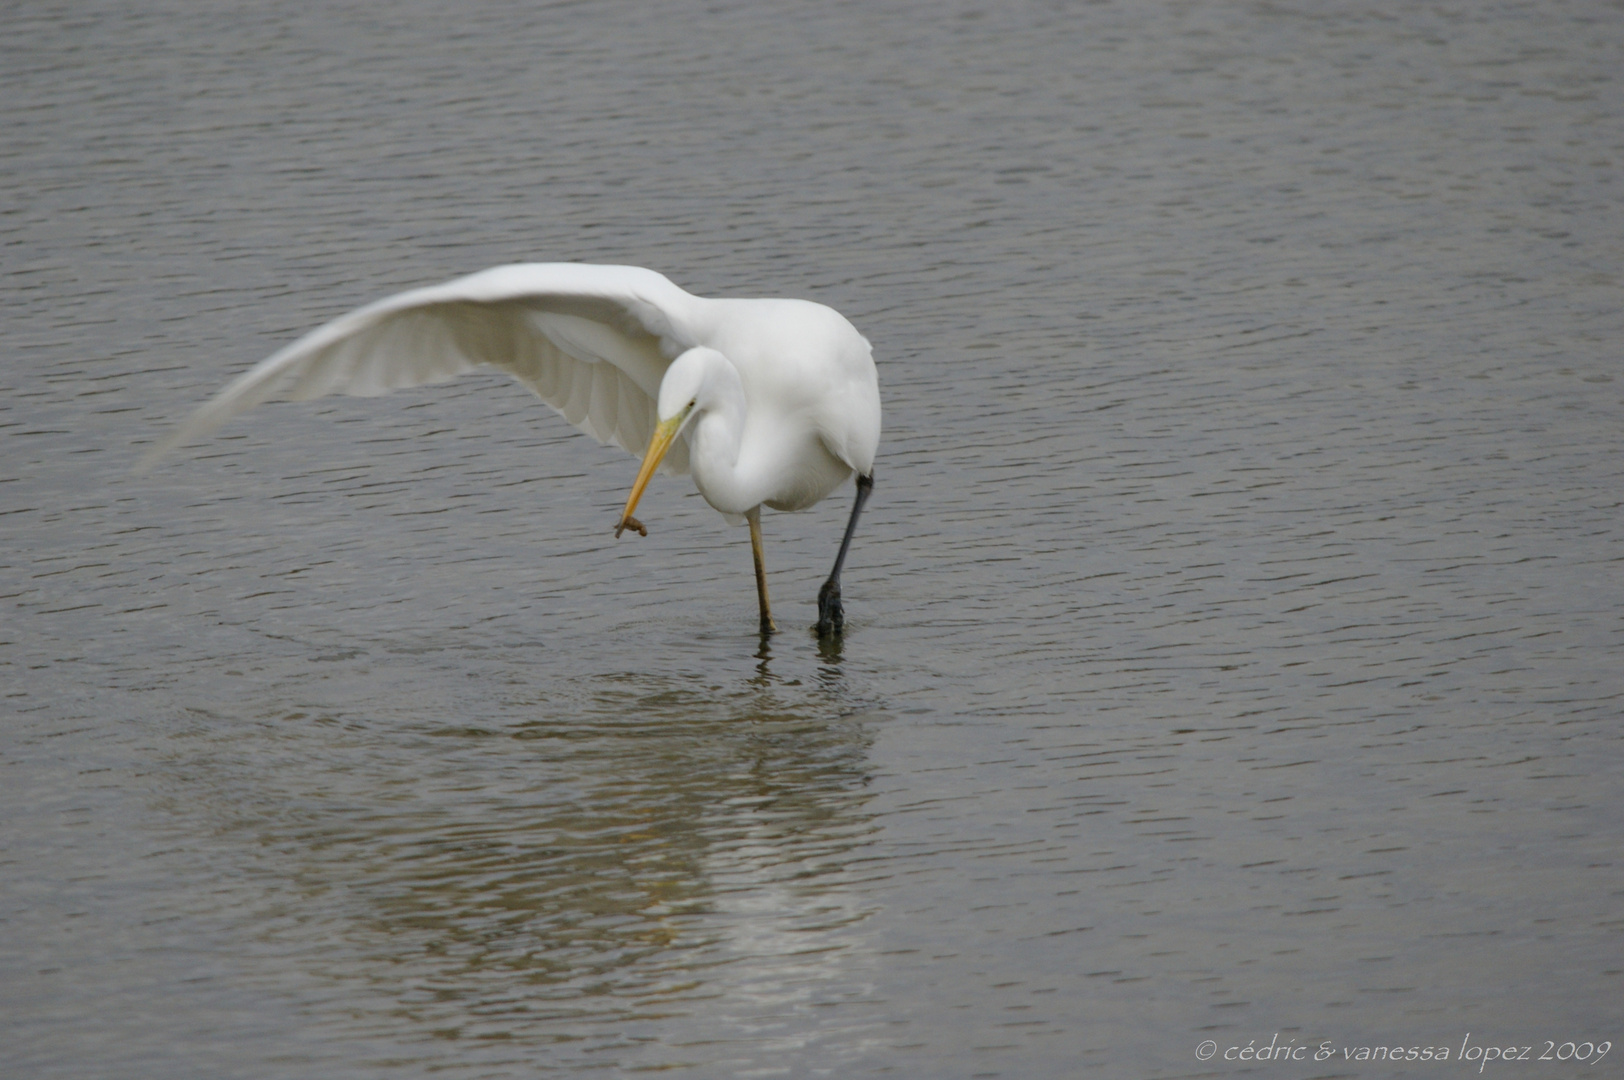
column 764, row 401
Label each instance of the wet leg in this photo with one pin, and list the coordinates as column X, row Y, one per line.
column 754, row 518
column 831, row 616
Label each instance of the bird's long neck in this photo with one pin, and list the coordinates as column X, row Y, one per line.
column 723, row 473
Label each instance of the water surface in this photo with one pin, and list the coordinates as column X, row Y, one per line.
column 1234, row 631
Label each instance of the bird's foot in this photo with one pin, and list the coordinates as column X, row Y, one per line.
column 768, row 627
column 629, row 522
column 831, row 616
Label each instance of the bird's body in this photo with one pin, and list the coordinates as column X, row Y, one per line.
column 825, row 416
column 778, row 399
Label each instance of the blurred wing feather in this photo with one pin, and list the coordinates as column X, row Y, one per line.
column 593, row 342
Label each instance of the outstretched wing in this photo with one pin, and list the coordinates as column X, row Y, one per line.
column 592, row 341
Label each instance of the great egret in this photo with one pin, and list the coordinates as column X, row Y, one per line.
column 765, row 401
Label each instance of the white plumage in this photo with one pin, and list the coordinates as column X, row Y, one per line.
column 779, row 399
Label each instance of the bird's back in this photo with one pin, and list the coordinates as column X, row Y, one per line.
column 812, row 364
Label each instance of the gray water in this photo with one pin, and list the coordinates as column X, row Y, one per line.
column 1234, row 634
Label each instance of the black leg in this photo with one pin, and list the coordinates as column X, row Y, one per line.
column 831, row 617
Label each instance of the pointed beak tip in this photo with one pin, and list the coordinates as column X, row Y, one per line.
column 657, row 447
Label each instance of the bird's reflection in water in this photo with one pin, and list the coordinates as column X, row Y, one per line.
column 829, row 650
column 607, row 857
column 764, row 656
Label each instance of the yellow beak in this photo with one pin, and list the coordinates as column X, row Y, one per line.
column 657, row 447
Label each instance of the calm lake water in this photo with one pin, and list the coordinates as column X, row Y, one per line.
column 1234, row 633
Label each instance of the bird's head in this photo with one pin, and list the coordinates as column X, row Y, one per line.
column 690, row 383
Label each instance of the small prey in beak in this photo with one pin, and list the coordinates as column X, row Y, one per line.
column 657, row 448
